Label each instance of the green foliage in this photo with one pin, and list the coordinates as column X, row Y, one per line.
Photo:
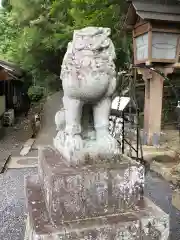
column 104, row 13
column 35, row 33
column 8, row 34
column 35, row 93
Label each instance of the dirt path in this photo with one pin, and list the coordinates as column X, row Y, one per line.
column 15, row 136
column 48, row 132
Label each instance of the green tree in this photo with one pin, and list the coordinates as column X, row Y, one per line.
column 104, row 13
column 35, row 33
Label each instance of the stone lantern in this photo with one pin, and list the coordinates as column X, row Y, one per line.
column 156, row 42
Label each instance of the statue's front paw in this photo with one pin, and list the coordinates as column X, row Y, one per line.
column 113, row 144
column 74, row 143
column 60, row 120
column 109, row 143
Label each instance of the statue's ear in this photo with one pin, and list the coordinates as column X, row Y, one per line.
column 107, row 31
column 75, row 33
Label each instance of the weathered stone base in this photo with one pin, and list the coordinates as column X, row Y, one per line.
column 176, row 199
column 91, row 190
column 147, row 222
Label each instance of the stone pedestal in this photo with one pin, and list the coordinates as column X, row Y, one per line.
column 98, row 200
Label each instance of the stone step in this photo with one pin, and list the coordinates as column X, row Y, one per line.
column 22, row 162
column 27, row 146
column 146, row 222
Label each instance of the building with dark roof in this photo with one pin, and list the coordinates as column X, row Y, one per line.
column 12, row 92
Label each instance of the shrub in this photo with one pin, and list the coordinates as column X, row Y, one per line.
column 35, row 93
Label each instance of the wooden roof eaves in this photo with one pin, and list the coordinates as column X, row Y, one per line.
column 158, row 16
column 156, row 7
column 131, row 18
column 150, row 11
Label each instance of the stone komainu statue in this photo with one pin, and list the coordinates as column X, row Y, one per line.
column 89, row 78
column 101, row 197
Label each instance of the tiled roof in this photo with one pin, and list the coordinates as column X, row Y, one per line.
column 162, row 2
column 12, row 68
column 164, row 10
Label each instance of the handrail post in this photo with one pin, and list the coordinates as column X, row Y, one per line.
column 123, row 133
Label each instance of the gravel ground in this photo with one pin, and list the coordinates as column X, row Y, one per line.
column 12, row 203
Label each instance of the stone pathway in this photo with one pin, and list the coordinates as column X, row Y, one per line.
column 45, row 137
column 28, row 161
column 52, row 105
column 15, row 136
column 13, row 140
